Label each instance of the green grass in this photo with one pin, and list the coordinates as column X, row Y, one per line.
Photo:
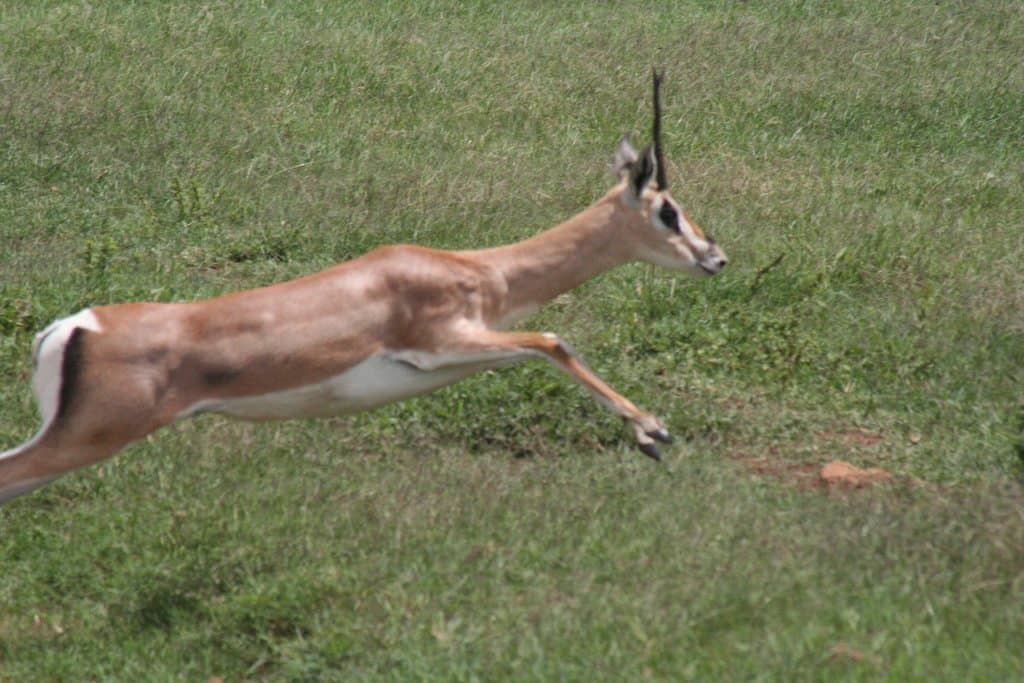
column 859, row 161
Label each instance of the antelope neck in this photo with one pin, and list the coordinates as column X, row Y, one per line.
column 542, row 267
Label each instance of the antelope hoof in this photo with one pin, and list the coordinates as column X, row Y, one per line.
column 661, row 435
column 650, row 450
column 649, row 429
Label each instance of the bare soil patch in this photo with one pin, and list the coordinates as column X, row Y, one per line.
column 844, row 475
column 834, row 476
column 858, row 436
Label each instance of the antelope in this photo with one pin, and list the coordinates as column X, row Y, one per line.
column 398, row 321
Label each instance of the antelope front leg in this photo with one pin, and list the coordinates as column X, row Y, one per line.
column 647, row 428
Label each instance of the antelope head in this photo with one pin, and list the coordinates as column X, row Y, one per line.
column 661, row 231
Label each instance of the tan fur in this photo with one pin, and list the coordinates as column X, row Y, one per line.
column 430, row 310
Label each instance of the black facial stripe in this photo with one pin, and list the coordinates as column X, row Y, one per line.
column 669, row 216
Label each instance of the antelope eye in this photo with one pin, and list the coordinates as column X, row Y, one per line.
column 669, row 217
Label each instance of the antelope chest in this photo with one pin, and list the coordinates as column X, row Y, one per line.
column 376, row 381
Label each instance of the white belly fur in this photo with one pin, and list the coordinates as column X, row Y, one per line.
column 374, row 382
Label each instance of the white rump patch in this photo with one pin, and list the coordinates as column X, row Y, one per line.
column 48, row 354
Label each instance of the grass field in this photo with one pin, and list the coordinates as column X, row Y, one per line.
column 861, row 163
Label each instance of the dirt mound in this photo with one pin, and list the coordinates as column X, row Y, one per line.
column 837, row 475
column 844, row 475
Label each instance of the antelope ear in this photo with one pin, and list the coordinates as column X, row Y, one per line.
column 625, row 157
column 641, row 171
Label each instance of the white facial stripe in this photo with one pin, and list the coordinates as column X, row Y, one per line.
column 699, row 244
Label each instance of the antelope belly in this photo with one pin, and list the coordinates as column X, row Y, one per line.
column 373, row 382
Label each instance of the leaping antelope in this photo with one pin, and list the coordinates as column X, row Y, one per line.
column 396, row 322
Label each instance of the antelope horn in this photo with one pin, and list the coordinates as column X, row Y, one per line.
column 658, row 153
